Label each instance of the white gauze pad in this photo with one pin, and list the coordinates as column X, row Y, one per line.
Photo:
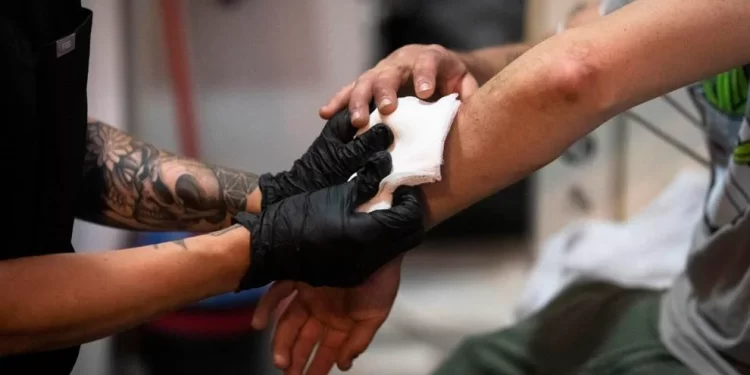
column 419, row 132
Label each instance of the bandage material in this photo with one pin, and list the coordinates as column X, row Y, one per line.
column 419, row 131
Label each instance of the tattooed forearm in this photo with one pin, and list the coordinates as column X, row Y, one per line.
column 132, row 184
column 225, row 230
column 183, row 244
column 180, row 243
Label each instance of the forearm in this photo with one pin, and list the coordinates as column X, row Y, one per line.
column 485, row 63
column 133, row 185
column 60, row 300
column 566, row 86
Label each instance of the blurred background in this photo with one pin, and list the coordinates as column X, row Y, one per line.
column 239, row 83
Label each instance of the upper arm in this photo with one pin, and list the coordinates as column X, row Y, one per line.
column 648, row 48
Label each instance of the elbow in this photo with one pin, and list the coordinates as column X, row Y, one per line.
column 12, row 345
column 578, row 79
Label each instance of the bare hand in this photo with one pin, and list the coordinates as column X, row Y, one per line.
column 429, row 67
column 342, row 322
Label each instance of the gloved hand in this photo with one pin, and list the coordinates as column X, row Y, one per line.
column 331, row 159
column 319, row 239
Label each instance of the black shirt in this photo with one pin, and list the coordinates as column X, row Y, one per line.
column 43, row 71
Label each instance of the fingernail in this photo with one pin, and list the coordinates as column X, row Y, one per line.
column 424, row 86
column 356, row 115
column 385, row 102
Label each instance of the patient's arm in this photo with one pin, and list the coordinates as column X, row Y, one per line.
column 522, row 119
column 566, row 86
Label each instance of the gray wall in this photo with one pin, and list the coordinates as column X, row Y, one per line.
column 261, row 69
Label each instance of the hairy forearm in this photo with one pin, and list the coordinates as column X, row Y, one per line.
column 566, row 86
column 66, row 299
column 485, row 63
column 134, row 185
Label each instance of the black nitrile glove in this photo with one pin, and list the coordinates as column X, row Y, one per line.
column 318, row 238
column 332, row 158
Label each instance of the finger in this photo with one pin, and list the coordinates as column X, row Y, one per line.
column 308, row 338
column 270, row 301
column 407, row 209
column 325, row 356
column 337, row 102
column 451, row 73
column 340, row 126
column 405, row 220
column 425, row 73
column 469, row 85
column 358, row 341
column 359, row 101
column 385, row 87
column 356, row 153
column 369, row 176
column 287, row 332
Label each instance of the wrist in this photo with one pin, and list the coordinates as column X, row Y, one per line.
column 258, row 270
column 231, row 246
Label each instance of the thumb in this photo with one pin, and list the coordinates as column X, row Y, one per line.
column 405, row 220
column 467, row 86
column 403, row 225
column 356, row 152
column 340, row 126
column 407, row 211
column 367, row 182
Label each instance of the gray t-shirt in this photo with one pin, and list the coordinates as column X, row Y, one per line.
column 705, row 315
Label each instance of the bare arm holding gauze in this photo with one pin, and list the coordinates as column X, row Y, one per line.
column 419, row 132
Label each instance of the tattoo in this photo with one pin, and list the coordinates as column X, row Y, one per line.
column 235, row 187
column 225, row 230
column 133, row 185
column 181, row 243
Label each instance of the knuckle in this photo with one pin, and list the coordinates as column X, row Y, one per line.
column 405, row 52
column 402, row 52
column 435, row 48
column 360, row 81
column 385, row 74
column 382, row 92
column 346, row 88
column 427, row 59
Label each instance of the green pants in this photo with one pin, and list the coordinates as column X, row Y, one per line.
column 623, row 340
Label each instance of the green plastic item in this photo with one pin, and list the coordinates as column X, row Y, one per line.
column 727, row 91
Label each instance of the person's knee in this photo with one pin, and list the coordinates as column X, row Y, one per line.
column 501, row 352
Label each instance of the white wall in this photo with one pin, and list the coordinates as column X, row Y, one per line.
column 632, row 166
column 261, row 70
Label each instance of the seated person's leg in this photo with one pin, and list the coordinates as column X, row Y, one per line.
column 501, row 352
column 591, row 328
